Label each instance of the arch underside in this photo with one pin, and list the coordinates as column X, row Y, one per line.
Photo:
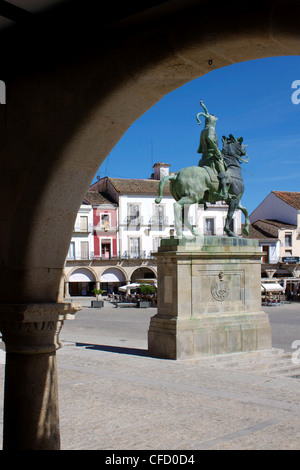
column 65, row 112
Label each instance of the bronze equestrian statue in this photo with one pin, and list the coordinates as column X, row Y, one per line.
column 217, row 177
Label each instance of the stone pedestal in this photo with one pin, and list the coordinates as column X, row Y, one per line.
column 31, row 336
column 209, row 299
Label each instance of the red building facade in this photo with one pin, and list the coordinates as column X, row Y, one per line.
column 105, row 224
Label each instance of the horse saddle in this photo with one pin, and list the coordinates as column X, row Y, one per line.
column 212, row 174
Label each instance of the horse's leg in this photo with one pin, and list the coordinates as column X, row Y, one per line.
column 232, row 207
column 247, row 221
column 162, row 184
column 178, row 219
column 178, row 212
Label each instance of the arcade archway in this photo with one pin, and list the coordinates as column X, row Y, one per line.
column 81, row 282
column 66, row 109
column 111, row 279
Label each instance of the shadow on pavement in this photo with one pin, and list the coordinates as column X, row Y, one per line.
column 115, row 349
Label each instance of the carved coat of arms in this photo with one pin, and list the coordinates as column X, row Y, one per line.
column 220, row 289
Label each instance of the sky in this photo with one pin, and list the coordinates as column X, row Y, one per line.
column 258, row 100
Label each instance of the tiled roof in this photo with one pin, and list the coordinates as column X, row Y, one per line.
column 267, row 228
column 291, row 198
column 138, row 186
column 94, row 197
column 277, row 223
column 256, row 232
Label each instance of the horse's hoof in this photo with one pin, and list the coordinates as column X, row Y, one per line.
column 158, row 200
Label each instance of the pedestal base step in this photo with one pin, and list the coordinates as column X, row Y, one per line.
column 209, row 335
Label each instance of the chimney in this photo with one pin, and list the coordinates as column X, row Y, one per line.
column 160, row 170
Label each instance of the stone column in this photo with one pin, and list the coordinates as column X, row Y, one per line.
column 66, row 290
column 31, row 336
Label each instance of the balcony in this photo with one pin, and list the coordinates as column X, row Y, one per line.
column 158, row 221
column 105, row 228
column 136, row 255
column 125, row 255
column 132, row 221
column 78, row 256
column 83, row 228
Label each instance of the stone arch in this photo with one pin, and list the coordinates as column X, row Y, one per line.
column 81, row 281
column 86, row 273
column 112, row 278
column 68, row 114
column 141, row 272
column 65, row 110
column 115, row 274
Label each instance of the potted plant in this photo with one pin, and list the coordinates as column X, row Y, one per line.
column 147, row 292
column 98, row 293
column 99, row 302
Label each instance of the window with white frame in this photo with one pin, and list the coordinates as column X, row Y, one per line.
column 288, row 243
column 159, row 214
column 209, row 226
column 83, row 223
column 134, row 247
column 71, row 254
column 288, row 239
column 133, row 214
column 105, row 221
column 84, row 249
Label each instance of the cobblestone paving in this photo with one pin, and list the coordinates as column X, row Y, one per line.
column 114, row 401
column 119, row 398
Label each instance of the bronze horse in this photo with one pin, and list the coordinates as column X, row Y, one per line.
column 199, row 185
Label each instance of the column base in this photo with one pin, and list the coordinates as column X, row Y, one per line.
column 31, row 337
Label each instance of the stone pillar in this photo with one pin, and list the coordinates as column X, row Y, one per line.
column 66, row 290
column 209, row 298
column 31, row 336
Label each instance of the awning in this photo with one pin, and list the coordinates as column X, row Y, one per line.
column 82, row 275
column 112, row 275
column 151, row 281
column 129, row 287
column 272, row 287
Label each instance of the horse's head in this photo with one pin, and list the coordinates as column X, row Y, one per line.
column 235, row 147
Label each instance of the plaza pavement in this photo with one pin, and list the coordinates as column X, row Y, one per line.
column 113, row 396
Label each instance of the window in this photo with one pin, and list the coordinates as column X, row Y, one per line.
column 133, row 214
column 265, row 258
column 83, row 221
column 288, row 239
column 106, row 249
column 84, row 247
column 134, row 247
column 105, row 222
column 159, row 215
column 71, row 254
column 209, row 226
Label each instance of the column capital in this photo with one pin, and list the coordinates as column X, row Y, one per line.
column 33, row 328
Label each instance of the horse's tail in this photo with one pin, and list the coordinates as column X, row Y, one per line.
column 162, row 184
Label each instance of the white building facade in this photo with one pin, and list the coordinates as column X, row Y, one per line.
column 277, row 219
column 141, row 224
column 82, row 243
